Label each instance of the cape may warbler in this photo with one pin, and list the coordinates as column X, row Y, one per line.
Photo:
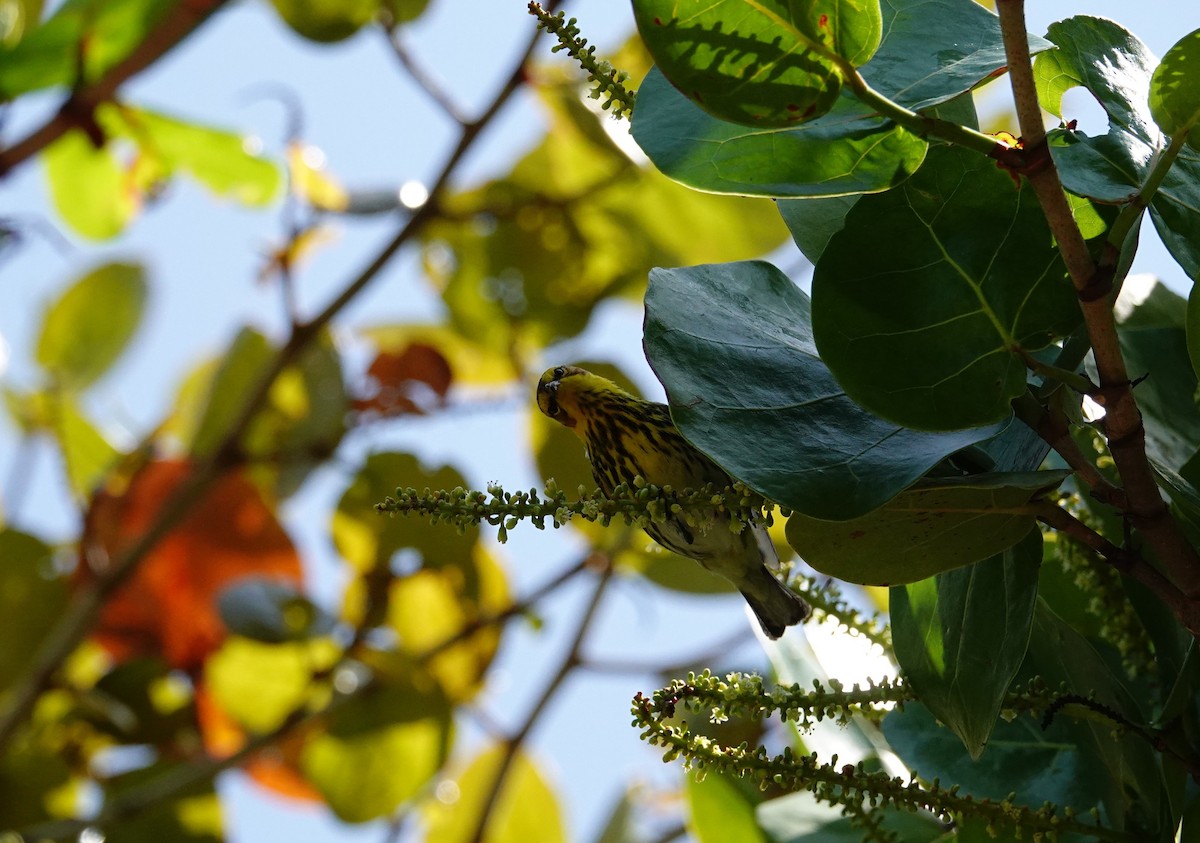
column 627, row 437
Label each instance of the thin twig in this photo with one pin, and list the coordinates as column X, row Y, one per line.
column 85, row 606
column 514, row 743
column 1123, row 427
column 1124, row 561
column 424, row 79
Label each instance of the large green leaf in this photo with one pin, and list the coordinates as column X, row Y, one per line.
column 217, row 158
column 87, row 35
column 87, row 455
column 720, row 810
column 937, row 525
column 1035, row 765
column 763, row 64
column 1174, row 96
column 260, row 685
column 848, row 151
column 781, row 424
column 90, row 189
column 326, row 21
column 379, row 751
column 800, row 818
column 85, row 331
column 927, row 325
column 961, row 636
column 1116, row 67
column 1060, row 655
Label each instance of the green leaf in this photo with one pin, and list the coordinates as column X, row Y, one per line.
column 1174, row 96
column 719, row 810
column 100, row 32
column 270, row 611
column 87, row 455
column 1110, row 167
column 259, row 685
column 961, row 636
column 848, row 150
column 1103, row 167
column 937, row 525
column 1155, row 344
column 229, row 389
column 1036, row 765
column 782, row 426
column 770, row 64
column 326, row 21
column 406, row 11
column 800, row 818
column 845, row 152
column 368, row 540
column 1060, row 655
column 526, row 809
column 194, row 816
column 28, row 774
column 216, row 158
column 29, row 590
column 919, row 65
column 813, row 222
column 85, row 331
column 88, row 186
column 925, row 327
column 380, row 749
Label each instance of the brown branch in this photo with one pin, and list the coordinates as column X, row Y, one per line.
column 1124, row 561
column 513, row 744
column 80, row 106
column 424, row 79
column 1123, row 427
column 75, row 622
column 1052, row 427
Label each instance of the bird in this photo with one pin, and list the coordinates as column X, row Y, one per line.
column 627, row 437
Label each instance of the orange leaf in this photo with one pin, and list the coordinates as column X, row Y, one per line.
column 396, row 380
column 277, row 768
column 168, row 608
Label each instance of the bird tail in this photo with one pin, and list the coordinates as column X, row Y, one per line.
column 775, row 605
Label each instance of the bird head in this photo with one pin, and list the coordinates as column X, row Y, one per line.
column 555, row 393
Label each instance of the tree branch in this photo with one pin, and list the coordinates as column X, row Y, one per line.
column 514, row 743
column 78, row 108
column 1123, row 427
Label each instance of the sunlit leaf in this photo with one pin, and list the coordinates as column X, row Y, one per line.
column 91, row 190
column 720, row 809
column 441, row 617
column 220, row 160
column 525, row 811
column 87, row 455
column 101, row 32
column 380, row 749
column 309, row 180
column 85, row 331
column 326, row 21
column 1174, row 102
column 260, row 684
column 769, row 65
column 168, row 608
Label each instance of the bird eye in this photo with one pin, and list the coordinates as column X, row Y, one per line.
column 559, row 372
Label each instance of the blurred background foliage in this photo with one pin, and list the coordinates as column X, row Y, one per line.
column 211, row 651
